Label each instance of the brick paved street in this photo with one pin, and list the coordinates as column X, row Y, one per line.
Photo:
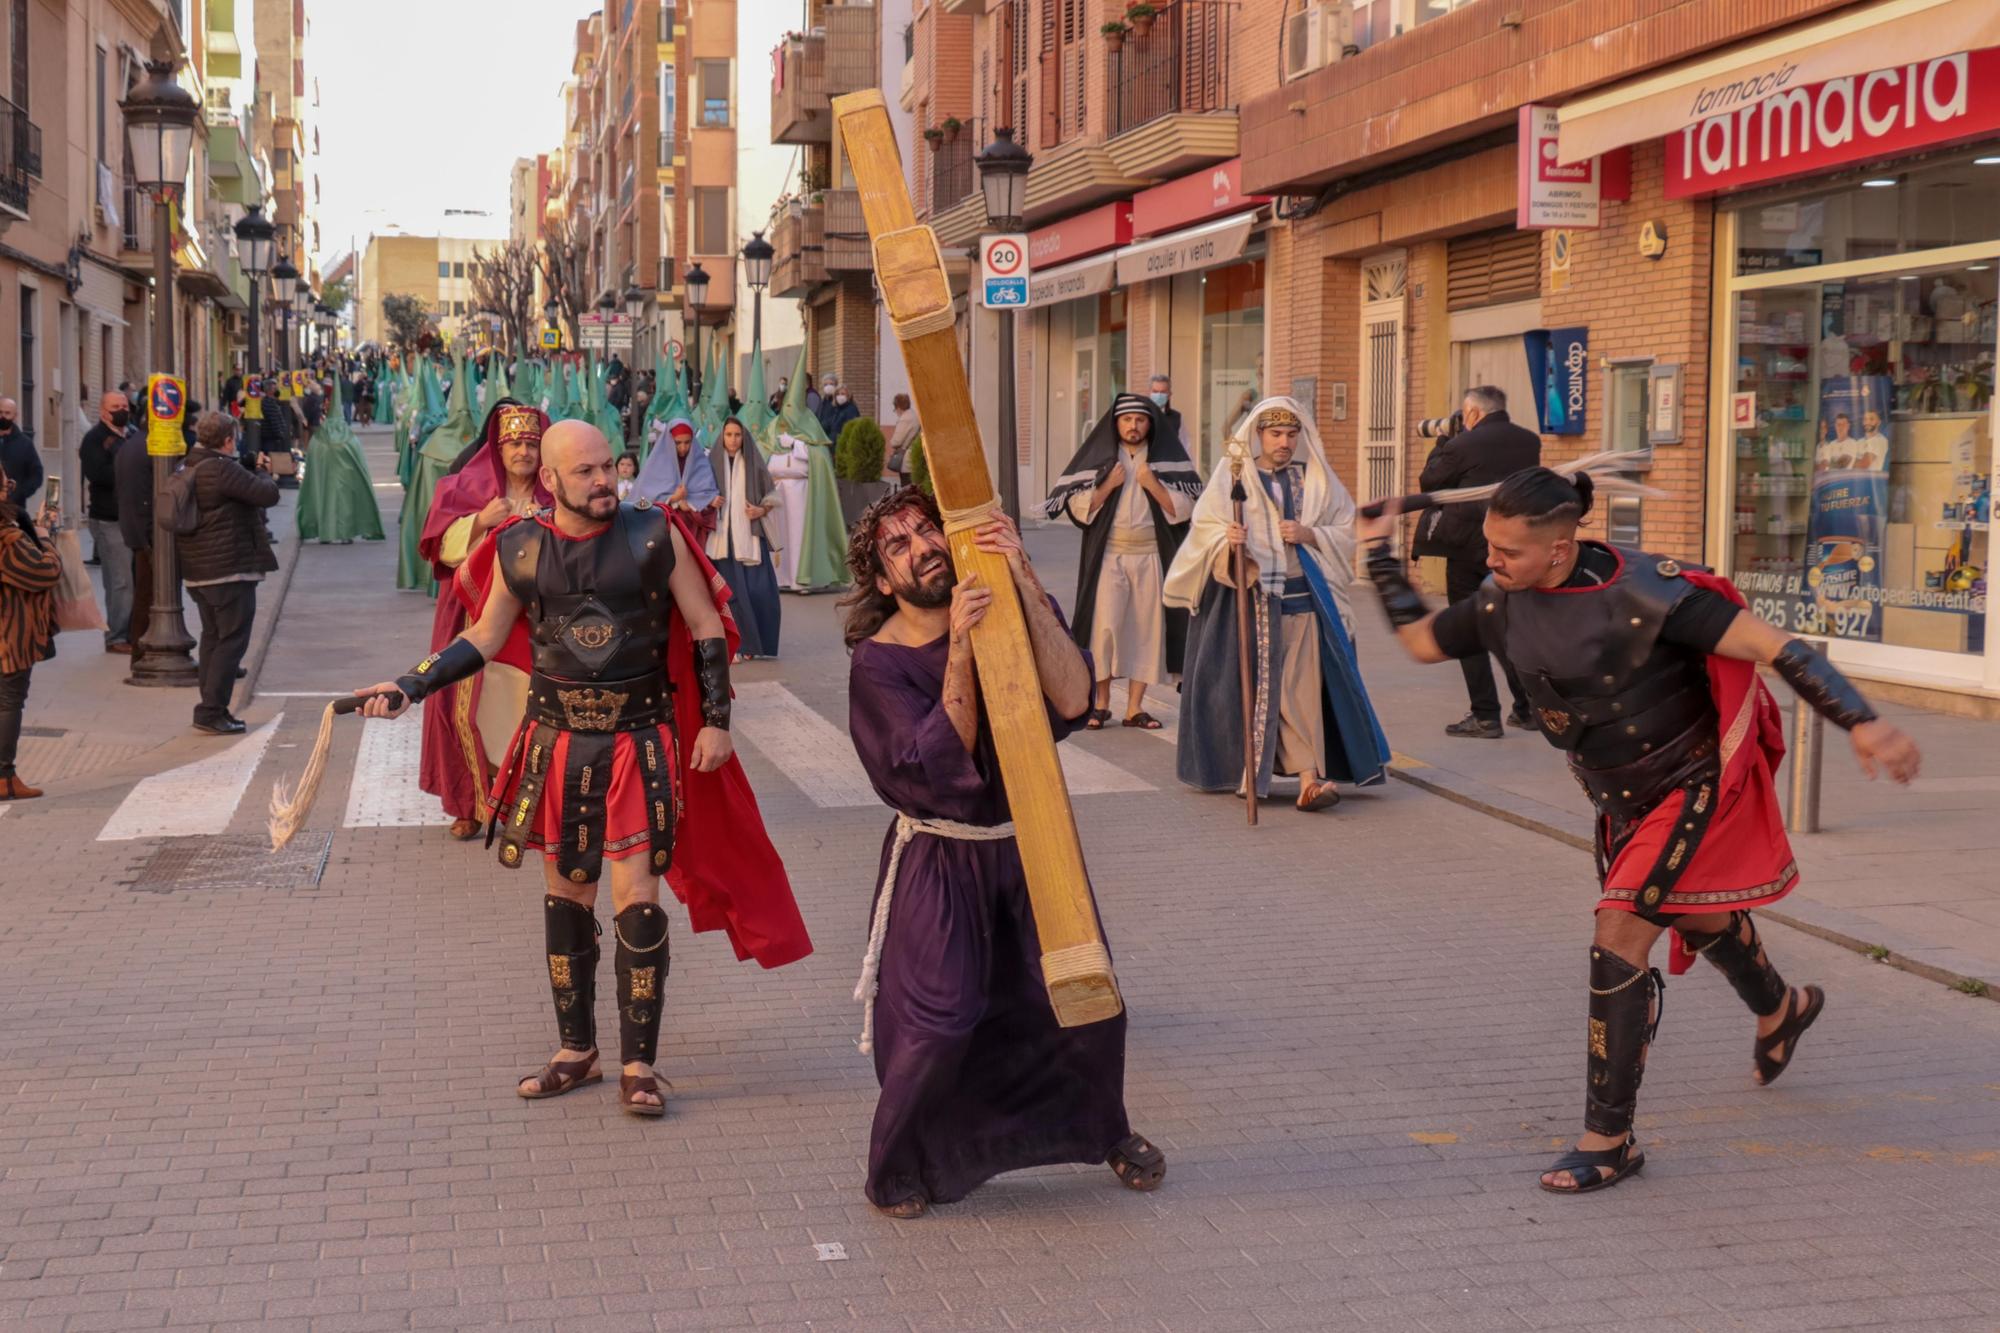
column 1358, row 1036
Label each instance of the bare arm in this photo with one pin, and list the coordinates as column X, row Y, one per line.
column 487, row 636
column 690, row 593
column 961, row 683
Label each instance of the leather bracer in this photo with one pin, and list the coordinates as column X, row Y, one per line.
column 711, row 673
column 447, row 666
column 1820, row 683
column 1400, row 601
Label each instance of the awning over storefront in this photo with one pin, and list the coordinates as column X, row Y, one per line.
column 1212, row 243
column 1069, row 282
column 1854, row 41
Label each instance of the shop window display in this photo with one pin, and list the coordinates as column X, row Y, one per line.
column 1864, row 454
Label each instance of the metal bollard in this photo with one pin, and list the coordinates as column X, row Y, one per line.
column 1808, row 735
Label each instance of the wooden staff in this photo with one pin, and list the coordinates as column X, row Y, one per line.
column 910, row 272
column 1241, row 573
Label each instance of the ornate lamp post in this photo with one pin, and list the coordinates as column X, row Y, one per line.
column 607, row 305
column 255, row 238
column 302, row 304
column 696, row 279
column 284, row 284
column 550, row 310
column 757, row 253
column 1003, row 179
column 160, row 118
column 636, row 302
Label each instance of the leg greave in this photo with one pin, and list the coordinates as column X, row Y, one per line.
column 1745, row 964
column 1621, row 997
column 642, row 980
column 572, row 940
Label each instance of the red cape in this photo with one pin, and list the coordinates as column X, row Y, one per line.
column 725, row 870
column 1745, row 847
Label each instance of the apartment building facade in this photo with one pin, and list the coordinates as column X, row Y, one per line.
column 288, row 138
column 76, row 236
column 437, row 270
column 1759, row 239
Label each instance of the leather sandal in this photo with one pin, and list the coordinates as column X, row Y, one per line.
column 1796, row 1022
column 1319, row 795
column 560, row 1076
column 1144, row 721
column 1137, row 1164
column 904, row 1209
column 628, row 1084
column 464, row 830
column 1605, row 1167
column 1095, row 719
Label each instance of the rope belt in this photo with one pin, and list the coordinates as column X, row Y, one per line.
column 907, row 829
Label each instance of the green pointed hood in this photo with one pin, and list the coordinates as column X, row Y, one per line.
column 756, row 410
column 793, row 418
column 458, row 428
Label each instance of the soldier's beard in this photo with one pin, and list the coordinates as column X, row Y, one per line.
column 597, row 504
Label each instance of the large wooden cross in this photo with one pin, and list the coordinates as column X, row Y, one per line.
column 910, row 271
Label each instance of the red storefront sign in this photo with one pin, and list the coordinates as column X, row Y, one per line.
column 1196, row 197
column 1826, row 125
column 1104, row 228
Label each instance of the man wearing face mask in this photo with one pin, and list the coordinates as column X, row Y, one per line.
column 19, row 459
column 1171, row 425
column 98, row 456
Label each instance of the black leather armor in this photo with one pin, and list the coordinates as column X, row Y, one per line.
column 598, row 608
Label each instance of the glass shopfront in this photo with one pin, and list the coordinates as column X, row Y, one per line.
column 1861, row 335
column 1084, row 356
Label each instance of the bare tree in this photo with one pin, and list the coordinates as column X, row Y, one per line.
column 566, row 266
column 503, row 281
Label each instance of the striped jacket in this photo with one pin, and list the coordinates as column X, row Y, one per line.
column 28, row 576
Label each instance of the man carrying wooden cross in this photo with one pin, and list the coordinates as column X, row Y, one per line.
column 978, row 1076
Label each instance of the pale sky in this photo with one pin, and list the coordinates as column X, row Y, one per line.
column 425, row 104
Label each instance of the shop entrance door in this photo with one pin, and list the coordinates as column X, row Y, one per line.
column 1384, row 281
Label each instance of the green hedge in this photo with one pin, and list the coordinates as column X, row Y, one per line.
column 858, row 454
column 920, row 468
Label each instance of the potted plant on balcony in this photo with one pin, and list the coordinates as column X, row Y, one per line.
column 1114, row 35
column 952, row 125
column 1141, row 17
column 934, row 136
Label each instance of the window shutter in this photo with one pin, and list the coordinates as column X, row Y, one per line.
column 1490, row 267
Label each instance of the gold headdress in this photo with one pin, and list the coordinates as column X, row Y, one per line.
column 1277, row 418
column 520, row 423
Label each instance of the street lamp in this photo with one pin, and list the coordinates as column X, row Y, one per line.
column 1003, row 180
column 302, row 304
column 284, row 283
column 696, row 279
column 255, row 238
column 757, row 253
column 636, row 302
column 607, row 304
column 160, row 118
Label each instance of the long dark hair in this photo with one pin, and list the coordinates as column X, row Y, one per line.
column 864, row 607
column 1543, row 497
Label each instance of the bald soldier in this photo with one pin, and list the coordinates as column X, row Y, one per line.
column 623, row 756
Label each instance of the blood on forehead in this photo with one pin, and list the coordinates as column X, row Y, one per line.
column 898, row 529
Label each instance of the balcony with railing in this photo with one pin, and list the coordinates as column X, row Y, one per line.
column 1171, row 106
column 20, row 156
column 841, row 56
column 799, row 110
column 798, row 245
column 135, row 219
column 954, row 178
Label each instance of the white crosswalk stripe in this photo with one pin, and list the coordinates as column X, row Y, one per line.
column 197, row 798
column 818, row 758
column 384, row 793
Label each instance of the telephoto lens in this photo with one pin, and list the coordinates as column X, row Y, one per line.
column 1441, row 428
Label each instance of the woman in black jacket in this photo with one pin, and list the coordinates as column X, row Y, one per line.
column 222, row 562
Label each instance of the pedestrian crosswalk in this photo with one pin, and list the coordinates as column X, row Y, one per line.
column 809, row 751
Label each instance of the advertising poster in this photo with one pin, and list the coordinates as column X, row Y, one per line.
column 1850, row 506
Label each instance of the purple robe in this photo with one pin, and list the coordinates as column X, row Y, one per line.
column 977, row 1077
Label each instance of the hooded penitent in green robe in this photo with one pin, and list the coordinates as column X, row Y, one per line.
column 713, row 409
column 385, row 397
column 434, row 457
column 337, row 497
column 562, row 396
column 756, row 411
column 822, row 557
column 669, row 401
column 603, row 415
column 428, row 411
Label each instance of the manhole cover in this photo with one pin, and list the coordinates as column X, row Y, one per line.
column 44, row 733
column 184, row 864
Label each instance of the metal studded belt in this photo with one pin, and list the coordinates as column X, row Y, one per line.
column 599, row 705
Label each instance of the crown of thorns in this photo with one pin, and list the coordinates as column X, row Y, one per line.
column 862, row 562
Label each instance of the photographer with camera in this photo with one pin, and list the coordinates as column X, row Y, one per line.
column 1476, row 446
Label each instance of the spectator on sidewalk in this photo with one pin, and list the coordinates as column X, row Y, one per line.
column 19, row 459
column 223, row 561
column 133, row 469
column 896, row 462
column 1490, row 449
column 28, row 575
column 97, row 456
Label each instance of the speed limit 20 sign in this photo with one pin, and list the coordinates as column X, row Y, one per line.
column 1003, row 270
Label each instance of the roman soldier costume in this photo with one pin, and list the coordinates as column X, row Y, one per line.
column 599, row 768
